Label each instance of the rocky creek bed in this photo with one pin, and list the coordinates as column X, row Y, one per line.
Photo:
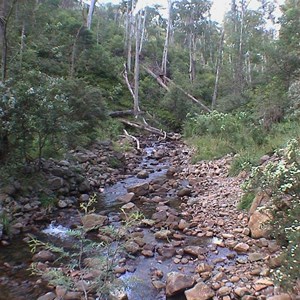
column 193, row 244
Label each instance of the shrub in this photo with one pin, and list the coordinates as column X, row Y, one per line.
column 281, row 180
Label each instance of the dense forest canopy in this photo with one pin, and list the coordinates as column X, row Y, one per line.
column 65, row 65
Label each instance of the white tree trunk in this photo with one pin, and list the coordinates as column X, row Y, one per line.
column 167, row 40
column 137, row 64
column 130, row 34
column 218, row 68
column 90, row 14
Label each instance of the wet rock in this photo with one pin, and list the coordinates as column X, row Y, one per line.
column 160, row 216
column 203, row 267
column 147, row 253
column 171, row 171
column 131, row 247
column 241, row 247
column 140, row 189
column 159, row 285
column 93, row 221
column 184, row 192
column 183, row 224
column 127, row 210
column 126, row 198
column 194, row 250
column 48, row 296
column 142, row 174
column 200, row 291
column 166, row 252
column 43, row 256
column 178, row 282
column 163, row 234
column 257, row 224
column 84, row 198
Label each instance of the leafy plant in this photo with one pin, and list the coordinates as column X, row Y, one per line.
column 280, row 179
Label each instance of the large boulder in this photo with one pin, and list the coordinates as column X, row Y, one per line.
column 200, row 291
column 257, row 224
column 178, row 282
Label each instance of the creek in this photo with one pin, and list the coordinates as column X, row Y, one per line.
column 17, row 284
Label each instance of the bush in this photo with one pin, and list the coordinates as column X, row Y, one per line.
column 280, row 179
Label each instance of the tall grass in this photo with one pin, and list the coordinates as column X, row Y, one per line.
column 217, row 134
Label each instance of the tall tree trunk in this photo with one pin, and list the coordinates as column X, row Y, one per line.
column 192, row 54
column 137, row 64
column 130, row 35
column 218, row 69
column 167, row 40
column 90, row 14
column 143, row 29
column 3, row 38
column 73, row 55
column 22, row 46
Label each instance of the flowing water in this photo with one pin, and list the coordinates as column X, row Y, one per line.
column 17, row 284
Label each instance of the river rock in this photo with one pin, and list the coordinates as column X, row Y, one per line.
column 200, row 291
column 93, row 221
column 184, row 192
column 194, row 250
column 48, row 296
column 257, row 225
column 43, row 256
column 140, row 189
column 255, row 256
column 126, row 198
column 72, row 296
column 142, row 174
column 224, row 290
column 131, row 247
column 84, row 198
column 162, row 234
column 84, row 187
column 166, row 252
column 178, row 282
column 55, row 183
column 127, row 210
column 241, row 247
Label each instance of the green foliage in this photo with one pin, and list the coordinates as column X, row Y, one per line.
column 280, row 179
column 246, row 201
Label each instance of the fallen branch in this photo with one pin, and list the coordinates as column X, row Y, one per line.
column 134, row 138
column 125, row 76
column 158, row 78
column 162, row 83
column 189, row 95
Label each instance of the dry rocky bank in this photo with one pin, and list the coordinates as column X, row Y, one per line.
column 235, row 260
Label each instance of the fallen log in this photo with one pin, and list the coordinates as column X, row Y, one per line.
column 162, row 83
column 163, row 135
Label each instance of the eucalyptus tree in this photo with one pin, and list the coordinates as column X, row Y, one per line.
column 191, row 17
